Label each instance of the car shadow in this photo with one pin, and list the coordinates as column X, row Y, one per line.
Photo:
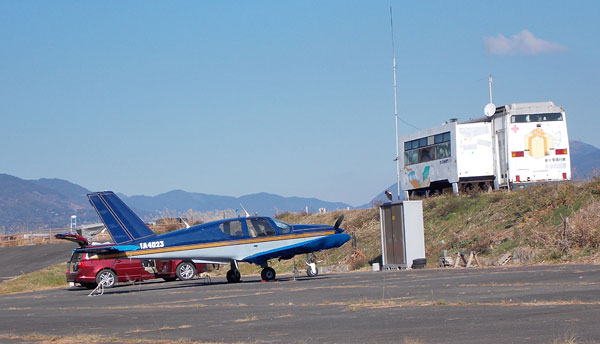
column 148, row 286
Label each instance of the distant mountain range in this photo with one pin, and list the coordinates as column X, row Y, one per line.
column 49, row 203
column 585, row 163
column 585, row 160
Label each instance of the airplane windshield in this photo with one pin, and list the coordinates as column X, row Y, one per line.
column 259, row 227
column 283, row 227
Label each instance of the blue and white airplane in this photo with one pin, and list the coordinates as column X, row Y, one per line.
column 253, row 239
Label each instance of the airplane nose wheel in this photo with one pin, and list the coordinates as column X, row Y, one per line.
column 234, row 276
column 311, row 266
column 267, row 274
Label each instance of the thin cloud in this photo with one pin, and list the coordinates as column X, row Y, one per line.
column 522, row 43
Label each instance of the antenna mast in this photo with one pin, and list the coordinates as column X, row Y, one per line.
column 490, row 82
column 395, row 107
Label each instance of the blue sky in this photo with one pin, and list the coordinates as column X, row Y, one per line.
column 292, row 98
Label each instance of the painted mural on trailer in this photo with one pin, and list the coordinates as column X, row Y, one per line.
column 418, row 178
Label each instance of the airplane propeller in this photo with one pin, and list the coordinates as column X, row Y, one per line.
column 338, row 223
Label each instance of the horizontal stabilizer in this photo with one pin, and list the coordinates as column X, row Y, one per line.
column 110, row 249
column 122, row 223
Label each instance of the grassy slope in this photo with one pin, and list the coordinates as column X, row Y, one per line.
column 50, row 277
column 490, row 224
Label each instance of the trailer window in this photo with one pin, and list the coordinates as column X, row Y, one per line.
column 541, row 117
column 427, row 148
column 411, row 157
column 442, row 151
column 426, row 154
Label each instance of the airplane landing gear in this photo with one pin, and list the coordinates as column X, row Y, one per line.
column 268, row 274
column 233, row 275
column 311, row 265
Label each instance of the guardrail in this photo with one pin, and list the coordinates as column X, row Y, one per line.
column 40, row 236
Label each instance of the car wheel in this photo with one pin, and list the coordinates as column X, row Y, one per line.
column 107, row 278
column 185, row 271
column 268, row 274
column 233, row 276
column 170, row 279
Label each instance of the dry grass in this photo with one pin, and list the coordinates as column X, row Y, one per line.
column 48, row 278
column 248, row 319
column 490, row 224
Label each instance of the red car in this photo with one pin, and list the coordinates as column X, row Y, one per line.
column 89, row 270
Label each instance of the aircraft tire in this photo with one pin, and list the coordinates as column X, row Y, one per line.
column 108, row 277
column 233, row 276
column 185, row 271
column 268, row 274
column 312, row 273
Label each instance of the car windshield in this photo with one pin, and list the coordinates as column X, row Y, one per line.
column 283, row 227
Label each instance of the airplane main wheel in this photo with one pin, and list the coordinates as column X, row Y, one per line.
column 312, row 270
column 268, row 274
column 185, row 271
column 233, row 276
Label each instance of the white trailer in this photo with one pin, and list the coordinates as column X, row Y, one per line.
column 483, row 154
column 457, row 155
column 532, row 144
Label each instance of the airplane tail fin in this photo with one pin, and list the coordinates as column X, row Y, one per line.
column 122, row 223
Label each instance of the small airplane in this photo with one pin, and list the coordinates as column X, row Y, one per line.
column 252, row 239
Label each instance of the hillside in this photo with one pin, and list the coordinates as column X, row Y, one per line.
column 585, row 160
column 528, row 223
column 27, row 205
column 262, row 203
column 49, row 203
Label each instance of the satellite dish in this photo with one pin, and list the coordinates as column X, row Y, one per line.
column 490, row 109
column 388, row 194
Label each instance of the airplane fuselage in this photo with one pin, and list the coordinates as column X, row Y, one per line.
column 221, row 241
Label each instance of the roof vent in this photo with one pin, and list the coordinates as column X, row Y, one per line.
column 453, row 119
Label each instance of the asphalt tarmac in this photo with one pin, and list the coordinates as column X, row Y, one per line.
column 23, row 259
column 532, row 304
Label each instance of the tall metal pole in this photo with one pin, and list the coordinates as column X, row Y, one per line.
column 490, row 82
column 395, row 107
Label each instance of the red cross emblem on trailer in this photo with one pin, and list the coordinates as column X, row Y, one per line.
column 515, row 129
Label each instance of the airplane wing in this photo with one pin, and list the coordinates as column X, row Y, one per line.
column 287, row 252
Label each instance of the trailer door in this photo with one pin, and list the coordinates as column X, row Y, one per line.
column 502, row 175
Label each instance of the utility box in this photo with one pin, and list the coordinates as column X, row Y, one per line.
column 402, row 234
